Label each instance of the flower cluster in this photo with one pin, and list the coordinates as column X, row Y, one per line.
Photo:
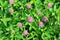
column 29, row 20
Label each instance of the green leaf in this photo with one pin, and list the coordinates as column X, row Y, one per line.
column 5, row 20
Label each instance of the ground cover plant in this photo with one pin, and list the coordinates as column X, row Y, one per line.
column 29, row 19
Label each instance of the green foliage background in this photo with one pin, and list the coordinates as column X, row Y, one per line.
column 8, row 21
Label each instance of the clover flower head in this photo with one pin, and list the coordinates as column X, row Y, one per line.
column 29, row 19
column 11, row 1
column 10, row 10
column 40, row 23
column 19, row 24
column 38, row 12
column 44, row 18
column 49, row 5
column 28, row 5
column 25, row 32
